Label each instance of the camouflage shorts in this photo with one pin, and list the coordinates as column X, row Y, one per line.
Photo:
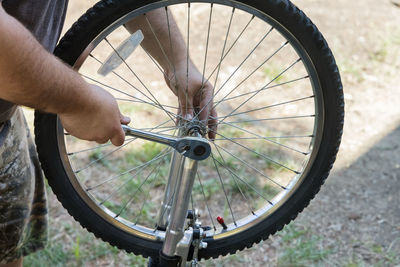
column 23, row 210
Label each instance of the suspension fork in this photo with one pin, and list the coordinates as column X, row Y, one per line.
column 181, row 198
column 174, row 209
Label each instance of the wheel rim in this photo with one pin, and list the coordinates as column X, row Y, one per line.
column 253, row 148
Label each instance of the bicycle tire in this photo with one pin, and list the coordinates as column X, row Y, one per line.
column 304, row 31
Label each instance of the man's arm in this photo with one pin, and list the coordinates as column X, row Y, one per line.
column 31, row 76
column 182, row 76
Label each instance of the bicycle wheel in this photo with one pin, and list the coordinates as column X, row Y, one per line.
column 280, row 116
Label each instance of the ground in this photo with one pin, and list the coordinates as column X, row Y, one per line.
column 355, row 219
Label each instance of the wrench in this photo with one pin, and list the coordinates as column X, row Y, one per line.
column 196, row 148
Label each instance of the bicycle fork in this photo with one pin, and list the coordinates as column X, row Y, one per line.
column 174, row 208
column 177, row 241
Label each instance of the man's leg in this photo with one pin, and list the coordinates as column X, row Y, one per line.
column 23, row 211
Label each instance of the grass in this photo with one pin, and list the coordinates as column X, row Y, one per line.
column 53, row 255
column 270, row 153
column 99, row 157
column 142, row 154
column 80, row 249
column 230, row 132
column 272, row 72
column 210, row 187
column 378, row 256
column 301, row 247
column 226, row 261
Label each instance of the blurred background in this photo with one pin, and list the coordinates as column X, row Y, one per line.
column 355, row 219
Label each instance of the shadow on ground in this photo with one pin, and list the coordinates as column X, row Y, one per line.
column 358, row 209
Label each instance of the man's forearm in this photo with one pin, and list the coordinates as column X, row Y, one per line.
column 31, row 76
column 159, row 32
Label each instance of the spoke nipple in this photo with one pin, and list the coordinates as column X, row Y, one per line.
column 221, row 221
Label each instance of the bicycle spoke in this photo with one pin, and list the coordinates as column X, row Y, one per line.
column 254, row 71
column 157, row 65
column 187, row 56
column 123, row 79
column 244, row 61
column 223, row 51
column 256, row 93
column 205, row 201
column 229, row 50
column 97, row 160
column 248, row 56
column 223, row 189
column 169, row 113
column 160, row 45
column 137, row 77
column 117, row 90
column 191, row 200
column 251, row 74
column 259, row 154
column 272, row 119
column 218, row 67
column 109, row 144
column 207, row 43
column 251, row 167
column 234, row 179
column 266, row 88
column 137, row 190
column 246, row 183
column 158, row 41
column 263, row 138
column 147, row 196
column 267, row 138
column 263, row 108
column 106, row 155
column 170, row 42
column 140, row 167
column 139, row 102
column 94, row 148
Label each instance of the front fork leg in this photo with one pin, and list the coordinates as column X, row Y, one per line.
column 175, row 172
column 179, row 207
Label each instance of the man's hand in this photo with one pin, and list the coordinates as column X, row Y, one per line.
column 101, row 121
column 194, row 93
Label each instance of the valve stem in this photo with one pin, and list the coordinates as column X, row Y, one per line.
column 222, row 222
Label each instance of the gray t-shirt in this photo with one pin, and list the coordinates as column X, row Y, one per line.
column 45, row 19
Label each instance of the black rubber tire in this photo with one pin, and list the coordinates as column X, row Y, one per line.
column 106, row 12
